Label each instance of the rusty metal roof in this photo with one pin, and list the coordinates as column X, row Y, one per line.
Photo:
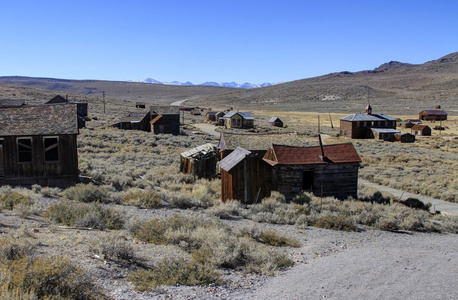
column 419, row 127
column 233, row 159
column 39, row 120
column 289, row 155
column 437, row 112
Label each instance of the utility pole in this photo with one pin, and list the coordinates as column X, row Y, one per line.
column 103, row 94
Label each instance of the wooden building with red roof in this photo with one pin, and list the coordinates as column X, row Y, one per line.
column 327, row 170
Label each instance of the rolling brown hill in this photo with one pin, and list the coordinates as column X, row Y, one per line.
column 393, row 87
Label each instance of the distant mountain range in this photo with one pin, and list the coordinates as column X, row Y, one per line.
column 232, row 84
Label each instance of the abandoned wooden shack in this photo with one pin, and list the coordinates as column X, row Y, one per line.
column 421, row 130
column 404, row 137
column 82, row 109
column 359, row 126
column 245, row 177
column 257, row 143
column 326, row 171
column 135, row 121
column 213, row 116
column 385, row 134
column 200, row 161
column 38, row 145
column 433, row 115
column 165, row 119
column 275, row 121
column 238, row 119
column 196, row 111
column 141, row 105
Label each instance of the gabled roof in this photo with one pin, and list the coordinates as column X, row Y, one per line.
column 436, row 112
column 199, row 150
column 244, row 115
column 214, row 113
column 39, row 120
column 273, row 119
column 419, row 127
column 257, row 141
column 165, row 110
column 366, row 117
column 57, row 99
column 134, row 117
column 287, row 155
column 233, row 159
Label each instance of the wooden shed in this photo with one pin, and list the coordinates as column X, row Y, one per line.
column 213, row 116
column 165, row 119
column 135, row 121
column 238, row 119
column 421, row 130
column 245, row 177
column 385, row 134
column 275, row 121
column 327, row 171
column 200, row 161
column 404, row 137
column 82, row 109
column 433, row 115
column 38, row 145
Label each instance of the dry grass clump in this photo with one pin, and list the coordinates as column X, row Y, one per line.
column 45, row 278
column 174, row 271
column 144, row 199
column 269, row 237
column 12, row 200
column 86, row 193
column 112, row 246
column 85, row 215
column 12, row 248
column 213, row 244
column 49, row 192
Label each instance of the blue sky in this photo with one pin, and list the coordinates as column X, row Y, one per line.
column 198, row 41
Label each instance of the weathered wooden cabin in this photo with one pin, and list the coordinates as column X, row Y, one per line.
column 327, row 171
column 421, row 130
column 213, row 116
column 245, row 177
column 238, row 119
column 433, row 115
column 165, row 119
column 359, row 126
column 38, row 145
column 404, row 137
column 257, row 143
column 385, row 134
column 275, row 121
column 200, row 161
column 135, row 121
column 82, row 109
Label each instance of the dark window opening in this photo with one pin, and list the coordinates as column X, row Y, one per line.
column 307, row 181
column 51, row 149
column 24, row 150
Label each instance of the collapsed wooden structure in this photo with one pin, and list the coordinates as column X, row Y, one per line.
column 38, row 145
column 200, row 161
